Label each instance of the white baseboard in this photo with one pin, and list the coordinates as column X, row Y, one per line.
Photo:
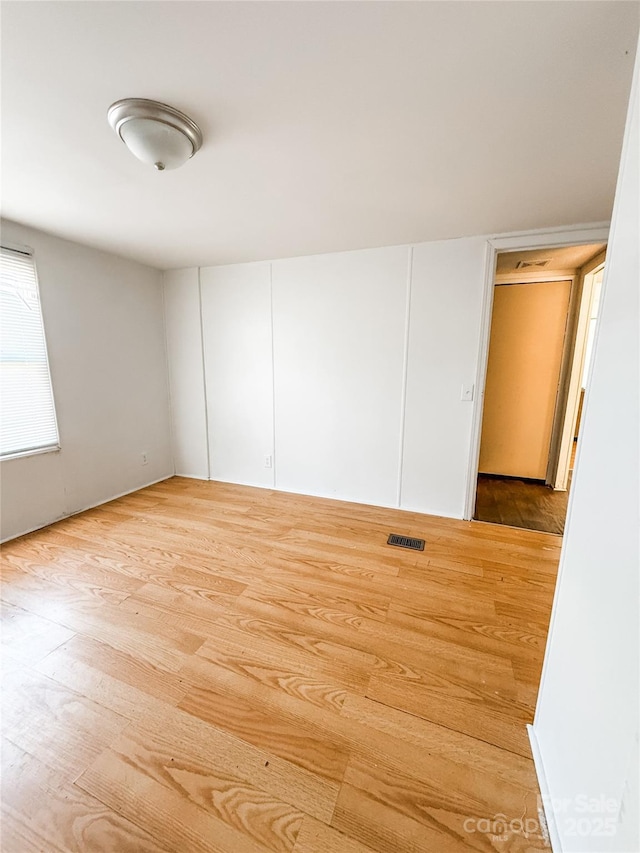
column 405, row 508
column 192, row 477
column 84, row 509
column 549, row 817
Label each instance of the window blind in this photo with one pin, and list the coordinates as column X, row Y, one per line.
column 27, row 412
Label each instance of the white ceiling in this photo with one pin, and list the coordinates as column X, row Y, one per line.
column 327, row 126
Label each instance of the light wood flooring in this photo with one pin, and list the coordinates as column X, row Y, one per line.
column 206, row 667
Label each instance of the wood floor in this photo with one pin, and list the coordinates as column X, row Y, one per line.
column 521, row 503
column 205, row 667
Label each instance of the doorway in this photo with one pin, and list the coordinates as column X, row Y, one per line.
column 543, row 320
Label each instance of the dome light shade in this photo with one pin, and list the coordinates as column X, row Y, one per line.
column 157, row 144
column 155, row 133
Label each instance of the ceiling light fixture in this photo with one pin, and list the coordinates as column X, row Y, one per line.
column 155, row 133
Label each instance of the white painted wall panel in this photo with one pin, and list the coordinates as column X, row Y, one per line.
column 446, row 300
column 32, row 491
column 236, row 313
column 104, row 324
column 587, row 717
column 186, row 373
column 339, row 348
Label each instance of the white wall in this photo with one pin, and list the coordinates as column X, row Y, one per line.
column 236, row 315
column 338, row 352
column 104, row 327
column 586, row 723
column 306, row 360
column 447, row 285
column 186, row 373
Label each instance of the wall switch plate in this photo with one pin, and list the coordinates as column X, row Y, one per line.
column 467, row 393
column 268, row 461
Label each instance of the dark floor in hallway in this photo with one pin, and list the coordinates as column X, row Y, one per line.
column 519, row 503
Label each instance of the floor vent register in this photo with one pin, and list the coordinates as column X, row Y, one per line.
column 405, row 542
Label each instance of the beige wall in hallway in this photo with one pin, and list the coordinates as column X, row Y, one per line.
column 525, row 356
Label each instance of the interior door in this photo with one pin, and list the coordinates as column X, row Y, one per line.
column 525, row 357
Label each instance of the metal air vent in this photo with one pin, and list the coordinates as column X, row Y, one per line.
column 526, row 265
column 405, row 542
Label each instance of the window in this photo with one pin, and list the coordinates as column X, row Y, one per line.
column 27, row 413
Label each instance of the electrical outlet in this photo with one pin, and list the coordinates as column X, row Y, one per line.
column 144, row 458
column 268, row 461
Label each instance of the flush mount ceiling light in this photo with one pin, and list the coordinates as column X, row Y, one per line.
column 155, row 133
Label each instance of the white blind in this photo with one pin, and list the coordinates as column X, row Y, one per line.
column 27, row 413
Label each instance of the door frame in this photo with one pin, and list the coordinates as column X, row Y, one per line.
column 562, row 392
column 547, row 238
column 588, row 274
